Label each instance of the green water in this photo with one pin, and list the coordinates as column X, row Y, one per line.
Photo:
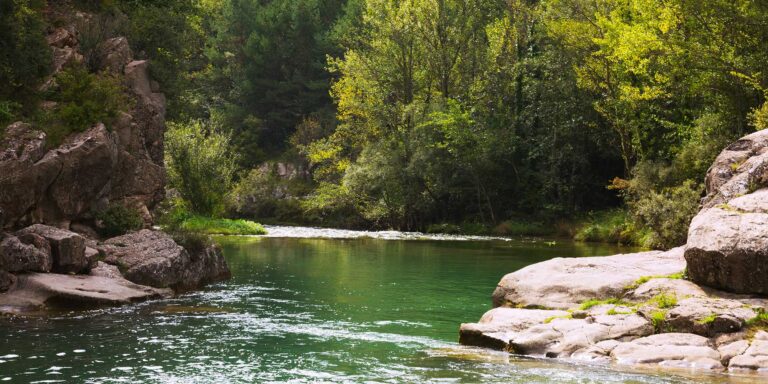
column 305, row 311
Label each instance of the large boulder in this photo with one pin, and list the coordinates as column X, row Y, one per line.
column 28, row 252
column 153, row 258
column 727, row 244
column 67, row 248
column 562, row 283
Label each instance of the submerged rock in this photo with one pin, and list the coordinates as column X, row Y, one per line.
column 564, row 283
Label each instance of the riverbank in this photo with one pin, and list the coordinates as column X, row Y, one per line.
column 701, row 306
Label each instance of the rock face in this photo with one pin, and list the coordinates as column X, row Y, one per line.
column 121, row 163
column 727, row 246
column 564, row 283
column 152, row 258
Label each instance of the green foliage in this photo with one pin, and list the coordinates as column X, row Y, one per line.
column 24, row 55
column 193, row 242
column 8, row 110
column 595, row 302
column 663, row 300
column 759, row 117
column 118, row 220
column 644, row 279
column 708, row 319
column 613, row 226
column 667, row 214
column 658, row 318
column 445, row 228
column 201, row 165
column 210, row 226
column 262, row 193
column 552, row 318
column 83, row 99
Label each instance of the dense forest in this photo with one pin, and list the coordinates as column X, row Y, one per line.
column 594, row 118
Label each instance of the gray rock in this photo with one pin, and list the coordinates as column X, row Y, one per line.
column 669, row 349
column 37, row 291
column 152, row 258
column 114, row 54
column 7, row 281
column 731, row 350
column 29, row 253
column 564, row 283
column 755, row 357
column 727, row 247
column 677, row 287
column 708, row 316
column 737, row 169
column 500, row 325
column 563, row 337
column 67, row 248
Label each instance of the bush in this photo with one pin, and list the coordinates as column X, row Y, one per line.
column 667, row 214
column 201, row 166
column 193, row 242
column 118, row 220
column 24, row 53
column 517, row 227
column 444, row 228
column 8, row 110
column 613, row 226
column 83, row 99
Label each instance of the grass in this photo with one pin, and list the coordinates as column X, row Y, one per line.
column 663, row 301
column 211, row 226
column 595, row 302
column 550, row 319
column 644, row 279
column 707, row 320
column 657, row 317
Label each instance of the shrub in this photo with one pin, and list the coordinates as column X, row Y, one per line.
column 193, row 242
column 24, row 53
column 8, row 110
column 201, row 165
column 667, row 214
column 444, row 228
column 613, row 226
column 118, row 220
column 83, row 99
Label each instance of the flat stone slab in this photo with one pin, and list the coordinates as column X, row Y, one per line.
column 681, row 350
column 563, row 283
column 37, row 291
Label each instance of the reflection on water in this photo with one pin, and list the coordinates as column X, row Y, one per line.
column 306, row 311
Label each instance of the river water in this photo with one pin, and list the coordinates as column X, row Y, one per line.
column 357, row 308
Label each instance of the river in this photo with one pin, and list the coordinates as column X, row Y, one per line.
column 334, row 307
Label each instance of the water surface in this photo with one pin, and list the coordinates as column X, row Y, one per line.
column 361, row 310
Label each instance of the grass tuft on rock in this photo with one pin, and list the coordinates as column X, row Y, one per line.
column 595, row 302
